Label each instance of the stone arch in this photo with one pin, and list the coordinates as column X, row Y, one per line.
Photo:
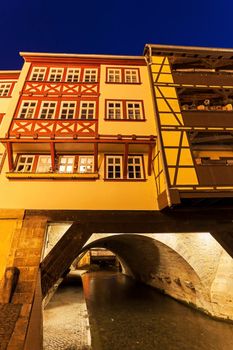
column 152, row 262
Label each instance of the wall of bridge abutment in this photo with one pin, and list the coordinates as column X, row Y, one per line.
column 191, row 267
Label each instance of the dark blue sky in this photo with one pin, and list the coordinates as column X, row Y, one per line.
column 110, row 27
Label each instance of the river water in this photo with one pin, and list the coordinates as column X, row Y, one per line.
column 126, row 315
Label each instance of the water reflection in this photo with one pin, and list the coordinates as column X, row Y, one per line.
column 127, row 315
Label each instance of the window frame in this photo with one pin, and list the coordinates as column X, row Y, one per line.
column 22, row 106
column 107, row 109
column 113, row 156
column 33, row 156
column 141, row 164
column 38, row 163
column 66, row 164
column 134, row 110
column 33, row 72
column 123, row 75
column 48, row 108
column 88, row 109
column 86, row 165
column 114, row 75
column 85, row 73
column 68, row 108
column 6, row 89
column 50, row 73
column 68, row 73
column 123, row 176
column 125, row 110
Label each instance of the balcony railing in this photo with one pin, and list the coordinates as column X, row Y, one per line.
column 215, row 175
column 53, row 127
column 60, row 88
column 208, row 118
column 199, row 78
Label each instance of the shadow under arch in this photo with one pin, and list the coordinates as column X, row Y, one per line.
column 156, row 264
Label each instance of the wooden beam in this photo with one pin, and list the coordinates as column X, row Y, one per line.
column 95, row 157
column 10, row 156
column 150, row 160
column 125, row 164
column 53, row 156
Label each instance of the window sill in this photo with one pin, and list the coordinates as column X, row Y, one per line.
column 125, row 180
column 60, row 176
column 122, row 82
column 125, row 120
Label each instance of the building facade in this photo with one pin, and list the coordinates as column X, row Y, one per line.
column 97, row 145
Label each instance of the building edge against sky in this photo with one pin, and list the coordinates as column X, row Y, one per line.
column 121, row 144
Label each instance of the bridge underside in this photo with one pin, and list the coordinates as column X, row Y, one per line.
column 28, row 239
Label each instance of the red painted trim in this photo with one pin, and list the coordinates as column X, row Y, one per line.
column 9, row 75
column 125, row 160
column 53, row 156
column 96, row 157
column 140, row 61
column 3, row 160
column 124, row 110
column 2, row 116
column 122, row 69
column 10, row 156
column 149, row 170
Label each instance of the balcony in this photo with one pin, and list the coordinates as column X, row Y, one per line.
column 37, row 128
column 201, row 78
column 60, row 88
column 215, row 175
column 208, row 118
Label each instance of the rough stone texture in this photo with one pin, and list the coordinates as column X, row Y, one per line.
column 191, row 267
column 9, row 315
column 66, row 325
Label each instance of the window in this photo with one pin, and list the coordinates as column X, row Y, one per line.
column 114, row 110
column 4, row 89
column 73, row 75
column 123, row 75
column 25, row 163
column 27, row 110
column 86, row 164
column 87, row 110
column 55, row 74
column 114, row 75
column 131, row 76
column 38, row 74
column 47, row 110
column 44, row 164
column 134, row 110
column 114, row 167
column 66, row 164
column 90, row 75
column 67, row 110
column 135, row 168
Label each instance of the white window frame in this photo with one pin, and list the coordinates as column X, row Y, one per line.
column 27, row 166
column 132, row 112
column 85, row 164
column 65, row 164
column 131, row 76
column 114, row 75
column 38, row 73
column 73, row 75
column 29, row 110
column 88, row 114
column 5, row 89
column 114, row 165
column 58, row 74
column 48, row 111
column 114, row 112
column 134, row 168
column 90, row 75
column 44, row 164
column 68, row 110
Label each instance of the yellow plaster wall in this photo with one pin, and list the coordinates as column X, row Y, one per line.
column 6, row 234
column 14, row 100
column 78, row 194
column 127, row 92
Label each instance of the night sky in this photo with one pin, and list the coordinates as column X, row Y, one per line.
column 110, row 27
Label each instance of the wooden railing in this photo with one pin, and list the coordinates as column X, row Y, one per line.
column 53, row 127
